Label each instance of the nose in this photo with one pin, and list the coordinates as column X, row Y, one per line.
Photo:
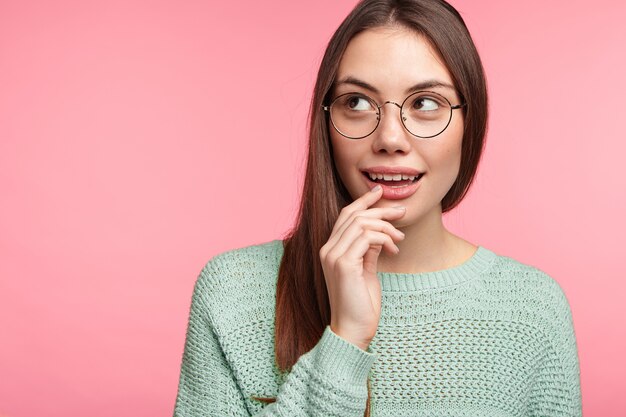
column 391, row 136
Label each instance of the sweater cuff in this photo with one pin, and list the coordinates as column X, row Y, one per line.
column 341, row 360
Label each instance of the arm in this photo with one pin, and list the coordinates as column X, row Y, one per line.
column 557, row 389
column 329, row 380
column 206, row 386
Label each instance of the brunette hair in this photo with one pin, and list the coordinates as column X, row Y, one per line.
column 302, row 304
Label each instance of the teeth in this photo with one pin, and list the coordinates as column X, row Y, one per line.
column 390, row 177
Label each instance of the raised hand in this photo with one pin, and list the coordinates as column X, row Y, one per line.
column 349, row 260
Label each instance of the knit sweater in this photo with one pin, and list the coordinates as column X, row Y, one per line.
column 491, row 337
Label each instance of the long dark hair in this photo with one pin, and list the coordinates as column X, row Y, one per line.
column 302, row 305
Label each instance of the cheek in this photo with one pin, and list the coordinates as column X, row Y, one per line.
column 453, row 159
column 446, row 160
column 341, row 157
column 445, row 165
column 454, row 145
column 345, row 158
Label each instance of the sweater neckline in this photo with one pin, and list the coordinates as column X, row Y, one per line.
column 405, row 282
column 402, row 282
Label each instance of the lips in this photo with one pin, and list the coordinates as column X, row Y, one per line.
column 393, row 181
column 397, row 182
column 392, row 170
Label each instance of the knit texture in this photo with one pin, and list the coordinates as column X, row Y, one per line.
column 491, row 337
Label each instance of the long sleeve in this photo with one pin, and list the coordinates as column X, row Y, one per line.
column 206, row 386
column 557, row 390
column 329, row 380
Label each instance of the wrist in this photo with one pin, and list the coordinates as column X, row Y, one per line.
column 359, row 342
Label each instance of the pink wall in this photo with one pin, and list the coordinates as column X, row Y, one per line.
column 127, row 161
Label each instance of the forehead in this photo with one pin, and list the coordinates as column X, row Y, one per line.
column 392, row 59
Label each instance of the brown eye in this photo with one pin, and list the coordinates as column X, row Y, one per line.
column 425, row 103
column 358, row 103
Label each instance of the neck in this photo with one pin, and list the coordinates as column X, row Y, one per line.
column 428, row 246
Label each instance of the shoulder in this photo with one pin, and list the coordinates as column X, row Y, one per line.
column 532, row 289
column 234, row 297
column 246, row 259
column 239, row 270
column 521, row 275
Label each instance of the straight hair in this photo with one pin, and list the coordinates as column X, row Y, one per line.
column 302, row 303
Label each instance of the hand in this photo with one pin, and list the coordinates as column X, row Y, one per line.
column 349, row 261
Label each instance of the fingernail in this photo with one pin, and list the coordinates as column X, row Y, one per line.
column 378, row 187
column 399, row 208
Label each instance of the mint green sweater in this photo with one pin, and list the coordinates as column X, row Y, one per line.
column 491, row 337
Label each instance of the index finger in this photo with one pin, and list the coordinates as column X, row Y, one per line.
column 360, row 203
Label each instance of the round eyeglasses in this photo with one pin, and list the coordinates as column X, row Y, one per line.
column 424, row 114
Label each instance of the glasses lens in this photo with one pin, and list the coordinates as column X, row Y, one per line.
column 354, row 115
column 426, row 114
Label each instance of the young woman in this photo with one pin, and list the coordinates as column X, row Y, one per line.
column 370, row 306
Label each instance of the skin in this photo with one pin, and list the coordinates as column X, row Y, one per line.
column 411, row 231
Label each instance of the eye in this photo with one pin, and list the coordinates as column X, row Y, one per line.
column 355, row 102
column 425, row 103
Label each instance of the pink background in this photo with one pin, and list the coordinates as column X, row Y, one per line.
column 127, row 160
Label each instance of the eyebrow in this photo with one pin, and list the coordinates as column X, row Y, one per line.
column 417, row 87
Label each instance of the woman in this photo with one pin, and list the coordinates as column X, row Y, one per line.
column 370, row 306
